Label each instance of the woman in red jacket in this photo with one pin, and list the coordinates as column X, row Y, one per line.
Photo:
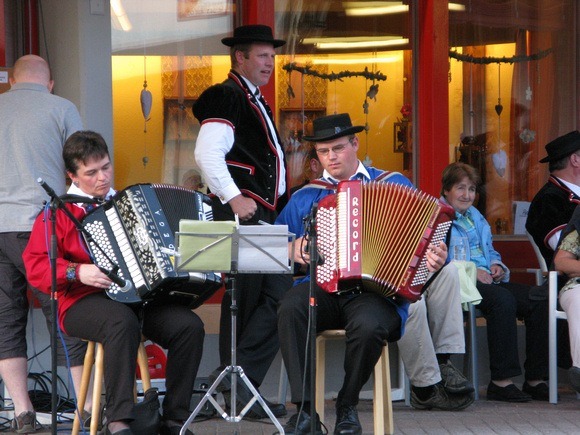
column 85, row 311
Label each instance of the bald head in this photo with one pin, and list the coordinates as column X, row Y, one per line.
column 32, row 69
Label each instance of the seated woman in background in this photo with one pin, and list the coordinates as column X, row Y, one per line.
column 85, row 311
column 567, row 261
column 502, row 301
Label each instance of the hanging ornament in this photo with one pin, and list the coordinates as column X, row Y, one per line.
column 366, row 107
column 367, row 160
column 146, row 103
column 499, row 158
column 498, row 107
column 146, row 97
column 527, row 135
column 373, row 91
column 146, row 100
column 290, row 91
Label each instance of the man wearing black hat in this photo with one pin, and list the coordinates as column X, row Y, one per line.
column 239, row 153
column 369, row 319
column 553, row 205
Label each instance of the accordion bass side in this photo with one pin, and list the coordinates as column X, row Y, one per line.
column 374, row 236
column 135, row 231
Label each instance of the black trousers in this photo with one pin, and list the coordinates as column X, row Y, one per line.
column 257, row 299
column 118, row 328
column 502, row 305
column 369, row 320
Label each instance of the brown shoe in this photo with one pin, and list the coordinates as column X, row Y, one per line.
column 24, row 423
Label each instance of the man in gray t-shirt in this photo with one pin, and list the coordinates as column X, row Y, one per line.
column 34, row 124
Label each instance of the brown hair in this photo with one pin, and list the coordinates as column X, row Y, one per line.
column 81, row 147
column 455, row 172
column 244, row 48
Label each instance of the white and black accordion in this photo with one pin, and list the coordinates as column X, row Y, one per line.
column 374, row 236
column 135, row 230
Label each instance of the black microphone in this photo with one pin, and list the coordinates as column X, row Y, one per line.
column 124, row 284
column 78, row 199
column 47, row 188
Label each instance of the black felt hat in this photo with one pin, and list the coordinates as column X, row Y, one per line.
column 252, row 33
column 331, row 127
column 562, row 147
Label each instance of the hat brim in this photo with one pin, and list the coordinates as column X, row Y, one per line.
column 554, row 158
column 231, row 41
column 326, row 135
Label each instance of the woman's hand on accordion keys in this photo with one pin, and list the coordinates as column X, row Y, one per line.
column 436, row 256
column 90, row 274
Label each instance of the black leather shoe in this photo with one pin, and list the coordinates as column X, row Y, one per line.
column 539, row 392
column 510, row 393
column 347, row 422
column 299, row 424
column 244, row 395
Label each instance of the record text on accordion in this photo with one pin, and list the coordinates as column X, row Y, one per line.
column 374, row 236
column 135, row 230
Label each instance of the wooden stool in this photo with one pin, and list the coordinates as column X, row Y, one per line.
column 97, row 361
column 382, row 401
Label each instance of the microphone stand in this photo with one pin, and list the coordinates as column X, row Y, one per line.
column 314, row 258
column 57, row 203
column 54, row 309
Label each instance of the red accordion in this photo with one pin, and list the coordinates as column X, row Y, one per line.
column 374, row 236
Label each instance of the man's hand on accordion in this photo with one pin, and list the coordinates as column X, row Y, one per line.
column 436, row 256
column 299, row 251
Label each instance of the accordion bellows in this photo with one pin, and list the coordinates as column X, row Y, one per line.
column 374, row 237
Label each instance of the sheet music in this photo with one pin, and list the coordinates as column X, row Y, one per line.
column 224, row 246
column 263, row 248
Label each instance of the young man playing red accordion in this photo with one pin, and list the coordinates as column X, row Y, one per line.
column 369, row 318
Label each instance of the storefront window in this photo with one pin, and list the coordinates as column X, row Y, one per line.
column 512, row 89
column 172, row 47
column 175, row 46
column 346, row 56
column 512, row 85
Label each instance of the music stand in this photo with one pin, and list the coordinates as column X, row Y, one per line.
column 252, row 249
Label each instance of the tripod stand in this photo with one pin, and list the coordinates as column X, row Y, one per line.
column 265, row 253
column 235, row 371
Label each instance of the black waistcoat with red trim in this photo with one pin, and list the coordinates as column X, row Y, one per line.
column 253, row 161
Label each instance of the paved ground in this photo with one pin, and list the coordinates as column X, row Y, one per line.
column 482, row 417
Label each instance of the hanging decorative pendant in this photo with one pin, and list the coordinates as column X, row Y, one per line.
column 527, row 135
column 366, row 107
column 499, row 160
column 529, row 94
column 146, row 102
column 498, row 107
column 373, row 91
